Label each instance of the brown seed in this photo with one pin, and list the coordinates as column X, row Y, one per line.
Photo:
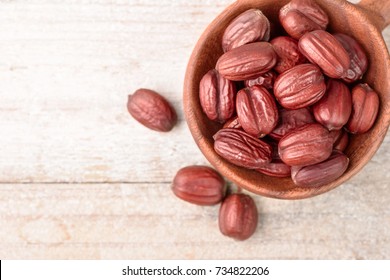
column 266, row 80
column 216, row 95
column 322, row 173
column 359, row 61
column 247, row 61
column 288, row 53
column 250, row 26
column 340, row 139
column 256, row 110
column 365, row 106
column 301, row 86
column 242, row 149
column 323, row 49
column 306, row 145
column 238, row 216
column 290, row 120
column 334, row 108
column 199, row 185
column 232, row 123
column 301, row 16
column 151, row 110
column 276, row 168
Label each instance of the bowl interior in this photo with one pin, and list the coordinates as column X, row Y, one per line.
column 344, row 17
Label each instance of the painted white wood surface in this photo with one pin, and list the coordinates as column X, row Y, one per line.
column 81, row 179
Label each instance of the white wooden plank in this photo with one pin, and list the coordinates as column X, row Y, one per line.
column 66, row 70
column 130, row 221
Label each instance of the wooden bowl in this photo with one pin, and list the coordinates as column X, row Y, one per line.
column 364, row 21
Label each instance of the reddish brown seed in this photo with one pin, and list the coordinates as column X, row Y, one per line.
column 199, row 185
column 242, row 149
column 232, row 123
column 288, row 53
column 301, row 16
column 247, row 61
column 322, row 173
column 276, row 168
column 250, row 26
column 340, row 139
column 334, row 108
column 266, row 80
column 301, row 86
column 256, row 110
column 217, row 96
column 365, row 106
column 323, row 49
column 290, row 120
column 151, row 110
column 359, row 60
column 238, row 216
column 306, row 145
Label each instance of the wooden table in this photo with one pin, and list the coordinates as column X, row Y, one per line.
column 81, row 179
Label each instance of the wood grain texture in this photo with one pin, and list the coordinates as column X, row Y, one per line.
column 126, row 221
column 80, row 179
